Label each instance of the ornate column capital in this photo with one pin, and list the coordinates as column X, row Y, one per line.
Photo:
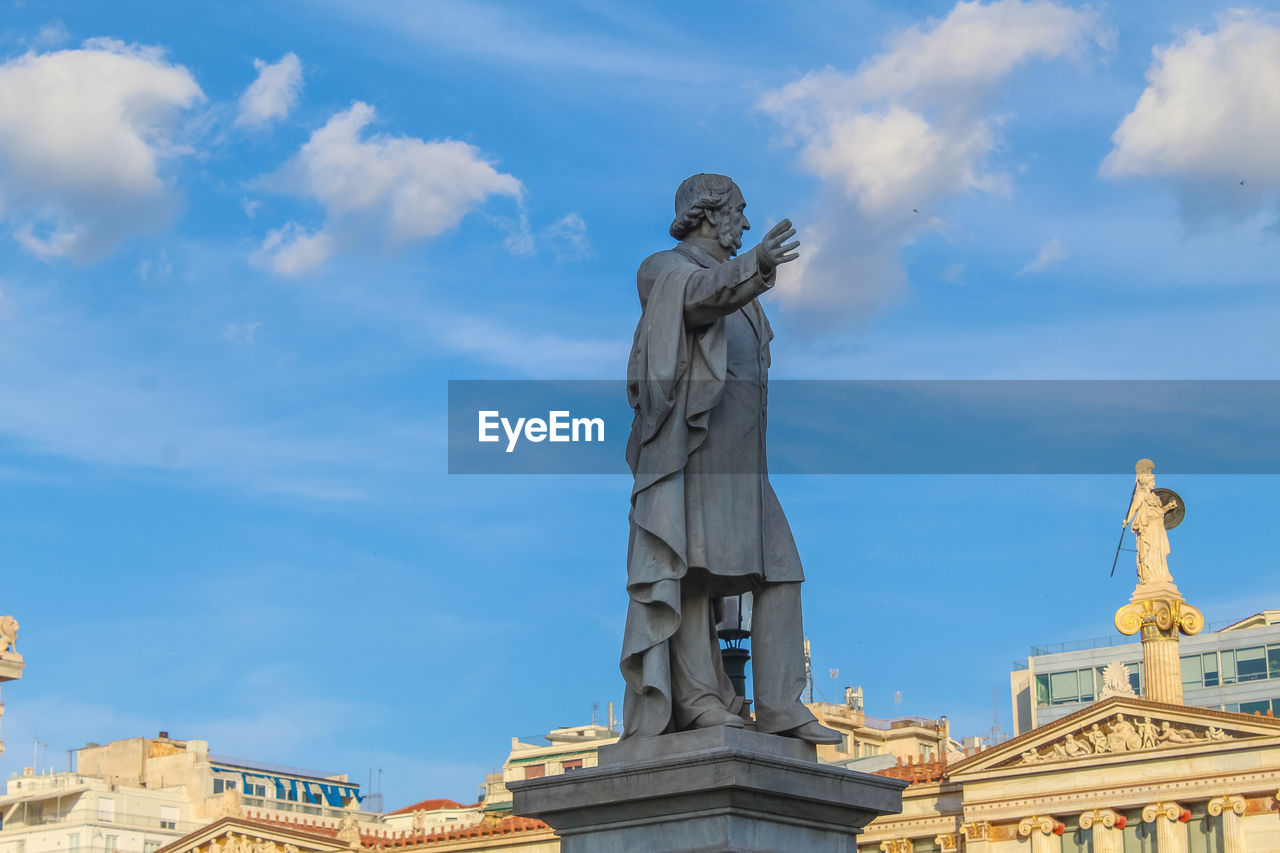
column 979, row 830
column 1227, row 803
column 1169, row 811
column 1102, row 817
column 897, row 845
column 1159, row 618
column 948, row 842
column 1040, row 823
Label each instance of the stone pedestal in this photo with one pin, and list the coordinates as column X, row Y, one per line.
column 11, row 667
column 722, row 789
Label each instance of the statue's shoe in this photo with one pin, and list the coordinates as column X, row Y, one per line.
column 716, row 717
column 814, row 732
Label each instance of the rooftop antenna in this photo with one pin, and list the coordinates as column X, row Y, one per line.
column 897, row 703
column 996, row 735
column 595, row 706
column 808, row 671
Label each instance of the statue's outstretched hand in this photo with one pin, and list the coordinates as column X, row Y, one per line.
column 772, row 252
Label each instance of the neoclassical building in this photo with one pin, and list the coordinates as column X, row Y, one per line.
column 1120, row 776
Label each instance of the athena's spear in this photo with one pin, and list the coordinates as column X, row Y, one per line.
column 1122, row 530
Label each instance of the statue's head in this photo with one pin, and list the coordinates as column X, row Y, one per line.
column 1144, row 471
column 711, row 203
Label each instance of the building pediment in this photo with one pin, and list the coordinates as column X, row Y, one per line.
column 1116, row 727
column 241, row 835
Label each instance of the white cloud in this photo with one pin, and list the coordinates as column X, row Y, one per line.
column 244, row 334
column 292, row 250
column 1209, row 117
column 82, row 136
column 385, row 191
column 273, row 94
column 51, row 34
column 155, row 269
column 903, row 133
column 567, row 237
column 1050, row 253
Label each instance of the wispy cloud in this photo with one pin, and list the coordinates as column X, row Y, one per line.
column 507, row 34
column 1050, row 253
column 906, row 131
column 95, row 403
column 273, row 94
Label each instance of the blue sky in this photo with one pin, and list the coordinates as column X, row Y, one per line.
column 244, row 247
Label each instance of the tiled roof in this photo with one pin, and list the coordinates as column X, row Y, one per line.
column 407, row 838
column 431, row 806
column 917, row 771
column 506, row 826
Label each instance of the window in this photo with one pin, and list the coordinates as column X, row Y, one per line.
column 110, row 843
column 1262, row 706
column 1204, row 831
column 1273, row 661
column 573, row 764
column 1064, row 687
column 220, row 785
column 1135, row 676
column 926, row 751
column 168, row 817
column 73, row 843
column 1192, row 671
column 1229, row 666
column 1211, row 669
column 1042, row 690
column 869, row 749
column 150, row 846
column 1138, row 837
column 1251, row 664
column 106, row 809
column 535, row 771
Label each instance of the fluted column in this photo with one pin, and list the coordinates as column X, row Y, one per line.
column 1232, row 810
column 1106, row 826
column 1160, row 618
column 1046, row 837
column 1171, row 833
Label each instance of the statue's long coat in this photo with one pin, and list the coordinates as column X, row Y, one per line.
column 697, row 379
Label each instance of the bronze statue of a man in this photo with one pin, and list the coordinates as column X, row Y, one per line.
column 705, row 522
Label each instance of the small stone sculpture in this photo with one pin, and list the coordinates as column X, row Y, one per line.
column 1115, row 681
column 8, row 634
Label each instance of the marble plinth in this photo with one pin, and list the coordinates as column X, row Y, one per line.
column 721, row 789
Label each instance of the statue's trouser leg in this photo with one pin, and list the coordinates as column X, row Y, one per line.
column 777, row 658
column 696, row 672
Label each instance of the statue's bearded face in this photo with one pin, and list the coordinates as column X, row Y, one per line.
column 730, row 221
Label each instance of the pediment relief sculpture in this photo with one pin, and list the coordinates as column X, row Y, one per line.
column 1121, row 733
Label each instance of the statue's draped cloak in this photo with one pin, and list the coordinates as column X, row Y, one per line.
column 697, row 379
